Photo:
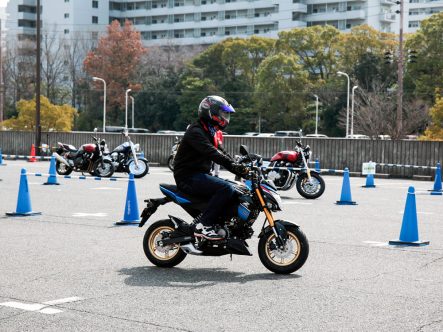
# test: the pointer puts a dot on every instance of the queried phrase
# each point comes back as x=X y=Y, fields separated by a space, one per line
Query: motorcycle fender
x=151 y=207
x=279 y=225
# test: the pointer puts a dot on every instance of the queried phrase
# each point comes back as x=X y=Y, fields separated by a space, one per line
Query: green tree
x=424 y=76
x=435 y=131
x=316 y=47
x=53 y=117
x=280 y=92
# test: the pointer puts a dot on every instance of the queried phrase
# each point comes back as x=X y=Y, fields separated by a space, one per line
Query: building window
x=94 y=3
x=66 y=0
x=66 y=31
x=66 y=15
x=94 y=35
x=94 y=19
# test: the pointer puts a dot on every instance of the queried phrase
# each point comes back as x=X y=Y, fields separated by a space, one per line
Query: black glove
x=240 y=170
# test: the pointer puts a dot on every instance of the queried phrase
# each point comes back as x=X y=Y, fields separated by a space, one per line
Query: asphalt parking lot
x=71 y=269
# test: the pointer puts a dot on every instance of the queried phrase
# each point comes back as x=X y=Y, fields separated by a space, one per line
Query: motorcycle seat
x=176 y=195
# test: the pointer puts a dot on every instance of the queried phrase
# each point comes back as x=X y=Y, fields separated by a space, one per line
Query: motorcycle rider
x=197 y=151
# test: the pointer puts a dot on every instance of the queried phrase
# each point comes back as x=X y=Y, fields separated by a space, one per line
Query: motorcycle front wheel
x=103 y=170
x=286 y=260
x=162 y=256
x=139 y=171
x=62 y=169
x=310 y=189
x=171 y=163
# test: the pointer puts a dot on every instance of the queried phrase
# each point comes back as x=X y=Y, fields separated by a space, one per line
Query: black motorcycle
x=88 y=158
x=283 y=248
x=174 y=149
x=124 y=158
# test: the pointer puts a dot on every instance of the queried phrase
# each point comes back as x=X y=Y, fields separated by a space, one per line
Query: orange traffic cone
x=32 y=159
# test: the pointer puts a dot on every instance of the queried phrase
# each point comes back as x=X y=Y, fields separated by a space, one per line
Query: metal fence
x=334 y=153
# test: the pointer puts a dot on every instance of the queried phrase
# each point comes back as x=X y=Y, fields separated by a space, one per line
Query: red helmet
x=216 y=111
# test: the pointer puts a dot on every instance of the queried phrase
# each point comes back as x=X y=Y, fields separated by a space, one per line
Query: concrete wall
x=333 y=153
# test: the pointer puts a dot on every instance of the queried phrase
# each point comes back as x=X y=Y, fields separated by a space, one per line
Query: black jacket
x=197 y=152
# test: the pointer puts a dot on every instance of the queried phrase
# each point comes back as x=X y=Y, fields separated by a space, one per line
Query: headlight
x=137 y=147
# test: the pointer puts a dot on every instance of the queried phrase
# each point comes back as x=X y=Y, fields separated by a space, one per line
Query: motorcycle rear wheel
x=62 y=169
x=139 y=171
x=310 y=190
x=103 y=172
x=171 y=163
x=288 y=260
x=160 y=255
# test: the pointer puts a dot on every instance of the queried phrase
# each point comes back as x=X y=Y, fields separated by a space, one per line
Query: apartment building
x=190 y=22
x=417 y=10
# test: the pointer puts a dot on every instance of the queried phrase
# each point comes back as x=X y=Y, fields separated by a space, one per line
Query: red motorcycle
x=289 y=168
x=88 y=158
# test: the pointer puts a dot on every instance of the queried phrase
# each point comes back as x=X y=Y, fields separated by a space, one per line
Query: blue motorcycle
x=283 y=248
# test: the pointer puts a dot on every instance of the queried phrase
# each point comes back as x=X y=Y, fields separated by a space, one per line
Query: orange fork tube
x=265 y=208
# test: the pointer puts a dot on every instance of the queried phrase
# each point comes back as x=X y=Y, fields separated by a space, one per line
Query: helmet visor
x=227 y=108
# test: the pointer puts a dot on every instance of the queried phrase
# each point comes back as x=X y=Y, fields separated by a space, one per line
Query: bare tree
x=54 y=71
x=375 y=113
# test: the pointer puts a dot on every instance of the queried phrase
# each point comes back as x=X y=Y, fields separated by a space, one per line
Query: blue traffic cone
x=131 y=216
x=24 y=199
x=52 y=178
x=409 y=227
x=346 y=198
x=1 y=159
x=437 y=190
x=317 y=165
x=369 y=181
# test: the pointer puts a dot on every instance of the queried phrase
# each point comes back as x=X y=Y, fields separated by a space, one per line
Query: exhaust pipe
x=61 y=159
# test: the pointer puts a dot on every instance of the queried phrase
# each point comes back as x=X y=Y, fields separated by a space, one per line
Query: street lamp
x=352 y=110
x=126 y=108
x=132 y=117
x=316 y=114
x=347 y=101
x=104 y=100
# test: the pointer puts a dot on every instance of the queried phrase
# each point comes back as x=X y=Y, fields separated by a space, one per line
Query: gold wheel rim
x=282 y=257
x=162 y=253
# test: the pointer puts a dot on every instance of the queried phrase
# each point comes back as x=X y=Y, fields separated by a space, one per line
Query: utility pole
x=1 y=76
x=38 y=129
x=400 y=72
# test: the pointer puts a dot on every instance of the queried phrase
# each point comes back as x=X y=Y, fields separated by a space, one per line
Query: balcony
x=336 y=16
x=387 y=17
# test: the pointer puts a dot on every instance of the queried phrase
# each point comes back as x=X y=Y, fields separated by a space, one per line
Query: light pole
x=126 y=108
x=352 y=110
x=132 y=117
x=104 y=100
x=347 y=100
x=316 y=114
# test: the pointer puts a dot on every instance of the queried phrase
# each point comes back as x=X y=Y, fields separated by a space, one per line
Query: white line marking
x=44 y=308
x=376 y=243
x=50 y=311
x=85 y=214
x=65 y=300
x=24 y=306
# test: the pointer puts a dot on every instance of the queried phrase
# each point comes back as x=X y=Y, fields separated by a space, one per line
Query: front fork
x=308 y=171
x=281 y=240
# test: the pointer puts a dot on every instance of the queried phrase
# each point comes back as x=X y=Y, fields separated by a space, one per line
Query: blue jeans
x=220 y=194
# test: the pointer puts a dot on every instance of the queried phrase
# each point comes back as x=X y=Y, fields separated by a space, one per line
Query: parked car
x=251 y=133
x=316 y=135
x=358 y=136
x=167 y=132
x=138 y=130
x=411 y=137
x=289 y=133
x=384 y=137
x=265 y=135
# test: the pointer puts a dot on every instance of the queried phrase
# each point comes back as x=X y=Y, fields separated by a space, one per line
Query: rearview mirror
x=243 y=150
x=95 y=130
